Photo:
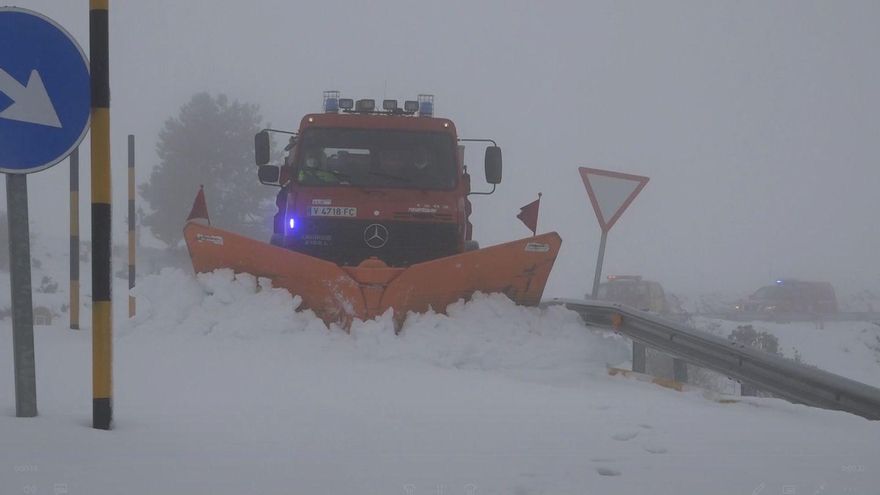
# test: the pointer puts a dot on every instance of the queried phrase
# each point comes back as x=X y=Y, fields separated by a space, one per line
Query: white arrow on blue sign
x=44 y=92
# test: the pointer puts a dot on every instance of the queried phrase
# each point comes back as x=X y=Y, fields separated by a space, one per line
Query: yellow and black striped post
x=131 y=237
x=74 y=239
x=102 y=289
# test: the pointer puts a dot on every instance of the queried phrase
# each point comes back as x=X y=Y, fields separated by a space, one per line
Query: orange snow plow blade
x=518 y=269
x=324 y=287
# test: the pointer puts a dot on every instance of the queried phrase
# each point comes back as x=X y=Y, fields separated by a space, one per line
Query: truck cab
x=361 y=183
x=632 y=290
x=790 y=296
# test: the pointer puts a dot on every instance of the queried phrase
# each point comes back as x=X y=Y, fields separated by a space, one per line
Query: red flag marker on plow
x=528 y=215
x=199 y=212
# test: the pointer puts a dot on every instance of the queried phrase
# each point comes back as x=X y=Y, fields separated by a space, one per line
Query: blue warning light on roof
x=426 y=105
x=331 y=101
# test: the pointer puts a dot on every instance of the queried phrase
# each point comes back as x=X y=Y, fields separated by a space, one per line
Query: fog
x=757 y=122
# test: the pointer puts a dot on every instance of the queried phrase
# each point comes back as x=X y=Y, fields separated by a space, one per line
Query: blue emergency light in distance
x=291 y=223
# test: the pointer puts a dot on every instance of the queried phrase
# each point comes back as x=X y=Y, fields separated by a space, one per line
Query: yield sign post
x=610 y=193
x=44 y=114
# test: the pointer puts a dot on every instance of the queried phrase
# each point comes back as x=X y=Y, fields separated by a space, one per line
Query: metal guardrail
x=785 y=378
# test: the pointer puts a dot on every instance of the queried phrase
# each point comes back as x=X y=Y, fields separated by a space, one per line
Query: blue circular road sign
x=44 y=92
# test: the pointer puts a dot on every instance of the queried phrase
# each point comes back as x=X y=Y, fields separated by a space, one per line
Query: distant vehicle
x=791 y=296
x=632 y=290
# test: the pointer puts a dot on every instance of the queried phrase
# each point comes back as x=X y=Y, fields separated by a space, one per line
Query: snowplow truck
x=373 y=214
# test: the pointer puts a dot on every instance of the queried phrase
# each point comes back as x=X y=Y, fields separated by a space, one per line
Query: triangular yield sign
x=611 y=193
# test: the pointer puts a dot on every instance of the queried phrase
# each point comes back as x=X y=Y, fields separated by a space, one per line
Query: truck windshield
x=770 y=293
x=376 y=158
x=626 y=292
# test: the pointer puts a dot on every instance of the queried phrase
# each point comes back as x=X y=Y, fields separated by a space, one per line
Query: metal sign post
x=22 y=304
x=44 y=81
x=611 y=193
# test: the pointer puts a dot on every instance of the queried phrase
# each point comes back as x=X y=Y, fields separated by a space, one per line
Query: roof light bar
x=389 y=105
x=365 y=105
x=346 y=103
x=411 y=106
x=426 y=105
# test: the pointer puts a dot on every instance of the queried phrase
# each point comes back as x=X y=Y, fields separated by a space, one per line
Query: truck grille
x=399 y=244
x=443 y=217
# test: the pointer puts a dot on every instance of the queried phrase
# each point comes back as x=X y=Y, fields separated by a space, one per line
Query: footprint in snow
x=625 y=435
x=606 y=471
x=654 y=449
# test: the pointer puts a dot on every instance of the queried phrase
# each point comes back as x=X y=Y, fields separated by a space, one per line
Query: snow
x=221 y=387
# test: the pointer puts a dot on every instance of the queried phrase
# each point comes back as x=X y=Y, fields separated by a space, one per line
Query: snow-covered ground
x=220 y=387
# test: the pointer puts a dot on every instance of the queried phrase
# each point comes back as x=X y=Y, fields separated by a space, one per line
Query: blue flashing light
x=779 y=282
x=426 y=105
x=291 y=223
x=331 y=101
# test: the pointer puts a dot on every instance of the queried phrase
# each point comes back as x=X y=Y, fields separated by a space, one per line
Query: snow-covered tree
x=209 y=143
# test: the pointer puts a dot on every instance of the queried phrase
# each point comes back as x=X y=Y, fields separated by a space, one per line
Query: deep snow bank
x=489 y=333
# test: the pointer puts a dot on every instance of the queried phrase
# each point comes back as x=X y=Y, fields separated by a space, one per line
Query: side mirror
x=269 y=175
x=261 y=148
x=493 y=165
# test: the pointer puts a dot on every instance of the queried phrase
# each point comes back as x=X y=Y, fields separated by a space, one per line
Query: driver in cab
x=314 y=170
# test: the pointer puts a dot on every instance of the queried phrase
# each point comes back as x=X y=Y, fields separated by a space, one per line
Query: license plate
x=332 y=211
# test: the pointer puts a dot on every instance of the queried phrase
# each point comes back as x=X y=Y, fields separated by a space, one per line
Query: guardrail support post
x=679 y=370
x=639 y=357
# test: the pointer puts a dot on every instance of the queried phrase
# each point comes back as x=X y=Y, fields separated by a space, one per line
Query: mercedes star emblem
x=375 y=235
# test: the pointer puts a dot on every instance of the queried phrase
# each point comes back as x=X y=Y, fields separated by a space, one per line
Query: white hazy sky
x=757 y=122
